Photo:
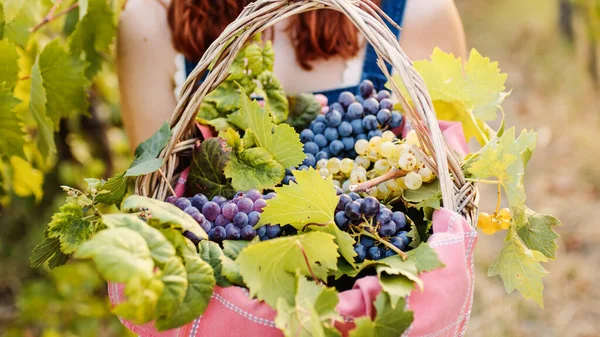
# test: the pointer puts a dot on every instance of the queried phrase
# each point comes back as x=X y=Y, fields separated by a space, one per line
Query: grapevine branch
x=53 y=15
x=375 y=236
x=392 y=174
x=312 y=273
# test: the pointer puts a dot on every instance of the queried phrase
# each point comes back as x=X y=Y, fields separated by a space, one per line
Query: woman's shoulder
x=145 y=17
x=419 y=9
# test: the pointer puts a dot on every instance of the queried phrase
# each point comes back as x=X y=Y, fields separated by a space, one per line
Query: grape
x=232 y=232
x=245 y=205
x=426 y=174
x=198 y=217
x=318 y=128
x=324 y=172
x=413 y=181
x=270 y=195
x=273 y=231
x=311 y=147
x=383 y=94
x=240 y=220
x=361 y=146
x=366 y=88
x=309 y=160
x=336 y=106
x=355 y=111
x=248 y=233
x=331 y=134
x=320 y=119
x=171 y=199
x=354 y=196
x=336 y=147
x=348 y=143
x=388 y=136
x=370 y=122
x=191 y=210
x=306 y=135
x=375 y=253
x=229 y=210
x=253 y=218
x=322 y=155
x=262 y=231
x=334 y=165
x=199 y=200
x=381 y=166
x=411 y=138
x=192 y=237
x=388 y=253
x=366 y=241
x=211 y=210
x=361 y=252
x=333 y=118
x=384 y=116
x=396 y=119
x=369 y=206
x=221 y=221
x=387 y=149
x=346 y=98
x=400 y=220
x=387 y=229
x=259 y=204
x=357 y=177
x=346 y=165
x=320 y=140
x=374 y=133
x=341 y=220
x=253 y=195
x=407 y=162
x=371 y=106
x=384 y=216
x=362 y=161
x=217 y=234
x=361 y=136
x=360 y=99
x=183 y=203
x=344 y=200
x=386 y=103
x=219 y=200
x=352 y=210
x=357 y=126
x=288 y=179
x=322 y=163
x=345 y=129
x=206 y=225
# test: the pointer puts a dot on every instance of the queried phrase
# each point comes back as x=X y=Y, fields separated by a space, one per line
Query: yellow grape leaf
x=520 y=269
x=311 y=199
x=26 y=179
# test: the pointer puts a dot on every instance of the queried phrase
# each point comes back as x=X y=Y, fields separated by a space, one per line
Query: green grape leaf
x=304 y=108
x=18 y=28
x=44 y=251
x=175 y=280
x=425 y=257
x=207 y=112
x=253 y=169
x=26 y=180
x=232 y=248
x=396 y=286
x=269 y=267
x=280 y=140
x=212 y=254
x=268 y=56
x=142 y=298
x=70 y=227
x=313 y=313
x=163 y=214
x=506 y=158
x=145 y=157
x=120 y=254
x=226 y=98
x=112 y=191
x=9 y=68
x=343 y=240
x=428 y=195
x=200 y=281
x=275 y=99
x=2 y=21
x=391 y=319
x=37 y=106
x=393 y=274
x=64 y=82
x=311 y=199
x=58 y=260
x=13 y=137
x=231 y=271
x=93 y=34
x=414 y=235
x=206 y=172
x=520 y=269
x=537 y=234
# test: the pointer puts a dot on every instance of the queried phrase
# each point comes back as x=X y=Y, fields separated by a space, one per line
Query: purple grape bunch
x=349 y=119
x=373 y=216
x=225 y=219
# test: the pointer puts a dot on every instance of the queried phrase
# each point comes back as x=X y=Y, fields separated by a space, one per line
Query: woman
x=319 y=51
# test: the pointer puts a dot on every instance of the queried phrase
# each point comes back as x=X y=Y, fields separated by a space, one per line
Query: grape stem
x=484 y=181
x=376 y=236
x=312 y=273
x=499 y=198
x=367 y=185
x=53 y=15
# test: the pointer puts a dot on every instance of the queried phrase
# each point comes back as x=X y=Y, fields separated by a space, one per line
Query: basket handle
x=367 y=17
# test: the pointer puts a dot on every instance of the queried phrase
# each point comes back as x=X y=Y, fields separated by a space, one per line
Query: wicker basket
x=457 y=194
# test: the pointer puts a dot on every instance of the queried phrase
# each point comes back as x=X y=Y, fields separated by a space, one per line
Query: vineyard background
x=555 y=90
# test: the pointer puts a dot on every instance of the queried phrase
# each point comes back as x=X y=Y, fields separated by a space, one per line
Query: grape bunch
x=499 y=220
x=375 y=227
x=351 y=118
x=233 y=219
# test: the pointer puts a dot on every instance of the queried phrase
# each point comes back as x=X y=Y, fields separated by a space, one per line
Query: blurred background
x=551 y=51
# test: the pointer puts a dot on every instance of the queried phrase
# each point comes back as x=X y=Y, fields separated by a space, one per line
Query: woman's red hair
x=316 y=35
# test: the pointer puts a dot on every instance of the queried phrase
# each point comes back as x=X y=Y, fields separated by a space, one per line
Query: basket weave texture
x=457 y=193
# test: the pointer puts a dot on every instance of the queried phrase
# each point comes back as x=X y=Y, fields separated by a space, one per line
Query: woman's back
x=147 y=58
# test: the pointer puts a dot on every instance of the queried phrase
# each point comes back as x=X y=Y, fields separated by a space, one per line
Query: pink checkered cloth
x=442 y=309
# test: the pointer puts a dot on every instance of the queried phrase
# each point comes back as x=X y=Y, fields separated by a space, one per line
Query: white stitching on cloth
x=248 y=315
x=195 y=326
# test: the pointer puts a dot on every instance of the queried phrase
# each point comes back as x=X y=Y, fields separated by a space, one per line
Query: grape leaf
x=64 y=82
x=391 y=319
x=425 y=257
x=275 y=99
x=37 y=106
x=232 y=248
x=343 y=240
x=428 y=195
x=120 y=254
x=142 y=297
x=17 y=28
x=304 y=108
x=58 y=260
x=9 y=68
x=112 y=191
x=226 y=98
x=396 y=286
x=206 y=172
x=506 y=158
x=93 y=34
x=269 y=267
x=44 y=251
x=311 y=199
x=13 y=137
x=313 y=313
x=70 y=227
x=253 y=168
x=2 y=21
x=537 y=234
x=394 y=265
x=211 y=253
x=164 y=214
x=145 y=157
x=231 y=271
x=175 y=280
x=200 y=288
x=520 y=269
x=280 y=140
